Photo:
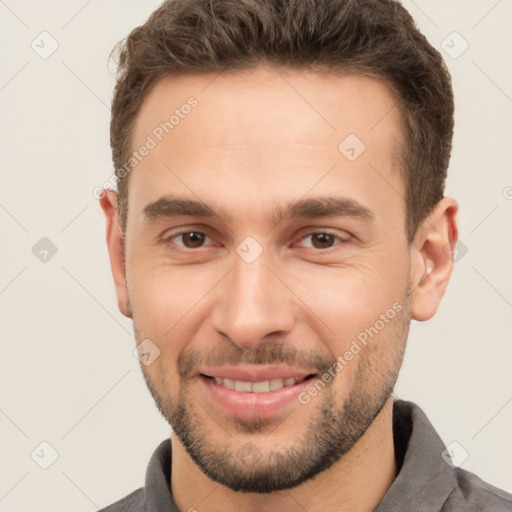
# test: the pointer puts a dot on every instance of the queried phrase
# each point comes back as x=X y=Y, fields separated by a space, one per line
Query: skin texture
x=256 y=141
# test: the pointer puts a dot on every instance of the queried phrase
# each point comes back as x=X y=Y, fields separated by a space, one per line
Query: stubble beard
x=332 y=432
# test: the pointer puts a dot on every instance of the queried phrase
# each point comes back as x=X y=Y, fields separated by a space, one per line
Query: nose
x=253 y=304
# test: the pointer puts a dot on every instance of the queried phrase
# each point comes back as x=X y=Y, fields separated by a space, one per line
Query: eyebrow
x=167 y=207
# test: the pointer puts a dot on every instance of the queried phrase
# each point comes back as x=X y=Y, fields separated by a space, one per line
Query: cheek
x=362 y=307
x=164 y=294
x=349 y=299
x=167 y=306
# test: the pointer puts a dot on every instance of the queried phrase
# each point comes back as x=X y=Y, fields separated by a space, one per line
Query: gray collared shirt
x=426 y=482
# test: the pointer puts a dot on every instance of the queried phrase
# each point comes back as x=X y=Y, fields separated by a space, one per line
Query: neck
x=358 y=481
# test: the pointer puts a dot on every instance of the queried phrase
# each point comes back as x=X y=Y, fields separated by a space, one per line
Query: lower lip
x=254 y=405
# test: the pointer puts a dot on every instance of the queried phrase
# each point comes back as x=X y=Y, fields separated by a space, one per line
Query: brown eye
x=192 y=239
x=322 y=240
x=188 y=240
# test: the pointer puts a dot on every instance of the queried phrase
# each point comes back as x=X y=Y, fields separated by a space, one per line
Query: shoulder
x=475 y=495
x=134 y=502
x=156 y=486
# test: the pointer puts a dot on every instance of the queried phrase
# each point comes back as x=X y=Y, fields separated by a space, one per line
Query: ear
x=432 y=258
x=108 y=203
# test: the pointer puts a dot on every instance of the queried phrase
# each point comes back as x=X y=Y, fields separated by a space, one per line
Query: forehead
x=260 y=100
x=262 y=129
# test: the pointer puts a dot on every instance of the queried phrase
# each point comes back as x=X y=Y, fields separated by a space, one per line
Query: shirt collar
x=424 y=480
x=157 y=489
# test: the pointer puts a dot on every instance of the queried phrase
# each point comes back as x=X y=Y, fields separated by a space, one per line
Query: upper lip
x=255 y=373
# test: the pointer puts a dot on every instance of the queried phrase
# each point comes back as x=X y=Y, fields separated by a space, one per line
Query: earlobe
x=114 y=238
x=432 y=259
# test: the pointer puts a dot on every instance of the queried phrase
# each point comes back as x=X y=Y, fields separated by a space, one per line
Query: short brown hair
x=376 y=38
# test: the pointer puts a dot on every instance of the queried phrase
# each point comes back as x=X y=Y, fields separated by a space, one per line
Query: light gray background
x=67 y=372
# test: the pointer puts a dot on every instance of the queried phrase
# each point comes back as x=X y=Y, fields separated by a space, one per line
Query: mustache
x=275 y=354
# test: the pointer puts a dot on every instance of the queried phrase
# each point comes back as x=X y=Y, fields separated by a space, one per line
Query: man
x=279 y=220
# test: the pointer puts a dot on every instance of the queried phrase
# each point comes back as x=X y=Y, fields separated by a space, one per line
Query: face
x=266 y=251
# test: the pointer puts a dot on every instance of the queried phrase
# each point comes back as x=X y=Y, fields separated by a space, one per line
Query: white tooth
x=229 y=383
x=241 y=385
x=261 y=387
x=276 y=384
x=256 y=387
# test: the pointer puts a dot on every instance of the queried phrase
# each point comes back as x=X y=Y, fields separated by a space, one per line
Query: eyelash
x=169 y=240
x=329 y=233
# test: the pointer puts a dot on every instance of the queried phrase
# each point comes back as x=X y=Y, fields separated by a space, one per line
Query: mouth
x=262 y=386
x=251 y=394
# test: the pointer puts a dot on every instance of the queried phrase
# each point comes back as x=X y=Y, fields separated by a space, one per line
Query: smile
x=263 y=386
x=253 y=393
